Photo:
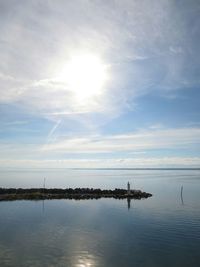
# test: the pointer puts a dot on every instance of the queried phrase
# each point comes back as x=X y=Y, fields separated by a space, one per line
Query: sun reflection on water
x=85 y=260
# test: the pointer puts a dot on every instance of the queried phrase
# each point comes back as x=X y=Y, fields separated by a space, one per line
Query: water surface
x=160 y=231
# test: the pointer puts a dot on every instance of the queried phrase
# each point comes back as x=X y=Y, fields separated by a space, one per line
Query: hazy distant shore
x=68 y=193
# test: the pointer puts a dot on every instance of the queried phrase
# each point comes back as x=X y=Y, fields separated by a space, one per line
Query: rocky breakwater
x=7 y=194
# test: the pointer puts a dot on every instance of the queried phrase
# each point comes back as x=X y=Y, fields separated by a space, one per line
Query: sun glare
x=84 y=75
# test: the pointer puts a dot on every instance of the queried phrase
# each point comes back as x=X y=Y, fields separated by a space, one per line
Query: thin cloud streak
x=134 y=143
x=146 y=140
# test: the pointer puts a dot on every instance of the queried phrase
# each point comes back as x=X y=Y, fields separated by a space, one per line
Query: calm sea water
x=160 y=231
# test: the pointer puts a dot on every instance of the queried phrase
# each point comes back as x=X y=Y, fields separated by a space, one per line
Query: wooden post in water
x=182 y=195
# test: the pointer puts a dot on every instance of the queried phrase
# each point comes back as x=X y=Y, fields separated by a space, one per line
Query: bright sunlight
x=85 y=75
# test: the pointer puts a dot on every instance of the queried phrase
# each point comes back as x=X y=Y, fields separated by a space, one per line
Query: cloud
x=16 y=123
x=142 y=140
x=148 y=46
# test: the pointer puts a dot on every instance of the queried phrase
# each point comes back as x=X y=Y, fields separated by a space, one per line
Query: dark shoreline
x=9 y=194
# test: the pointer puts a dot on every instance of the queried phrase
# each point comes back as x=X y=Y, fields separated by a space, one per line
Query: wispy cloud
x=146 y=44
x=142 y=140
x=128 y=144
x=16 y=123
x=149 y=48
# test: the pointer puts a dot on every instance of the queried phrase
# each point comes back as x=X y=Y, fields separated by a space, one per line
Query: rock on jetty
x=68 y=193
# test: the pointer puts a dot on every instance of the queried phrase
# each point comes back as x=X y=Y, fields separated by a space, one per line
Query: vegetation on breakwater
x=68 y=193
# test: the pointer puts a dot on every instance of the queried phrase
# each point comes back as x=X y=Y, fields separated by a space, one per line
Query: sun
x=84 y=75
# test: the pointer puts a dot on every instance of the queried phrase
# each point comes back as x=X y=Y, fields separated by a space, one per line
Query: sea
x=161 y=231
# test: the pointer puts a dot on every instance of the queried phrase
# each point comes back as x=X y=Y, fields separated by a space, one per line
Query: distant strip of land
x=7 y=194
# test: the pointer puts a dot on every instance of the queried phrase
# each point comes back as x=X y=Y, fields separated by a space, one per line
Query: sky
x=91 y=84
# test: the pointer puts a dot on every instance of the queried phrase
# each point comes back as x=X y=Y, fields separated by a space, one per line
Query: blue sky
x=99 y=83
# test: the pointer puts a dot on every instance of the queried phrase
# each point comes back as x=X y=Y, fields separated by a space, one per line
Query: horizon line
x=103 y=168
